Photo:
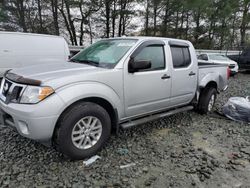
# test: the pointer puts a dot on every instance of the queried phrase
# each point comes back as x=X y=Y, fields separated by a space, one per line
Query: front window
x=104 y=53
x=154 y=54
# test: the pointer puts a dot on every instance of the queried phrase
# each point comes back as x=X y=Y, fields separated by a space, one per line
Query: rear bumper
x=36 y=122
x=233 y=72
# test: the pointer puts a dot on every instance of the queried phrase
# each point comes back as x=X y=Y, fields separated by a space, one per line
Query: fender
x=208 y=78
x=78 y=91
x=215 y=77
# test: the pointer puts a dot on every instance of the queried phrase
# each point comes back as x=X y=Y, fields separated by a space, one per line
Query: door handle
x=165 y=76
x=191 y=73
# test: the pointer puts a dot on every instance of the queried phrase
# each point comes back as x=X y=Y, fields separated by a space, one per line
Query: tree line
x=214 y=24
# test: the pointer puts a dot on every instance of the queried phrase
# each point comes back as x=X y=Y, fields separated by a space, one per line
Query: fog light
x=23 y=127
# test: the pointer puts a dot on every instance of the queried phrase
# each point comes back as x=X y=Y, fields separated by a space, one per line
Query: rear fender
x=220 y=78
x=210 y=77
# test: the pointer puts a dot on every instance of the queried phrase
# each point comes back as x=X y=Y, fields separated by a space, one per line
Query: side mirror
x=134 y=66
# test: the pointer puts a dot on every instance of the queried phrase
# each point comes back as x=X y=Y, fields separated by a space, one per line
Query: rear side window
x=181 y=56
x=152 y=53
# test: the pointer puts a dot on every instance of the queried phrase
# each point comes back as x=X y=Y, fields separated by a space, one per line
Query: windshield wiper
x=73 y=60
x=89 y=62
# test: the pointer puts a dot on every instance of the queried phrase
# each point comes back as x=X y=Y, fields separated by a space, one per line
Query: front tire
x=207 y=100
x=82 y=130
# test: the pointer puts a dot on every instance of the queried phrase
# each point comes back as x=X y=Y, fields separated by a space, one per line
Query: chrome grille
x=10 y=91
x=6 y=87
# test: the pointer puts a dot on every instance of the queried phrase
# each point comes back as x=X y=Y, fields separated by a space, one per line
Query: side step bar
x=152 y=117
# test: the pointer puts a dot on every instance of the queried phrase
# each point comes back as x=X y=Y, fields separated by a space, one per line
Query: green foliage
x=3 y=16
x=214 y=24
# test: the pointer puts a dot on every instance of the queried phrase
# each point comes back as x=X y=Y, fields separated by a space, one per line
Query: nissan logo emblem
x=6 y=87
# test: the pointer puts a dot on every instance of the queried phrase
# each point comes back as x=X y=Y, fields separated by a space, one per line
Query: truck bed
x=214 y=72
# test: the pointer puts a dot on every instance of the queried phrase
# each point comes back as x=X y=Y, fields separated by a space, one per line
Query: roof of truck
x=147 y=37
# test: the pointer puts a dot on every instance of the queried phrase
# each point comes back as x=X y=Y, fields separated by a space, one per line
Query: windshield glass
x=218 y=57
x=104 y=53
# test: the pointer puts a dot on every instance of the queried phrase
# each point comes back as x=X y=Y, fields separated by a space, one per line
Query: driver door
x=147 y=90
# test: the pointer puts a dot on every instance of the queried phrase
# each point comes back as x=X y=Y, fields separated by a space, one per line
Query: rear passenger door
x=184 y=73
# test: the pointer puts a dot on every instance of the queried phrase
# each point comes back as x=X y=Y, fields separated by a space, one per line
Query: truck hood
x=48 y=72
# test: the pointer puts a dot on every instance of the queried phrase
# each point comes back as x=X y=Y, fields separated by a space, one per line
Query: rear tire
x=82 y=130
x=207 y=100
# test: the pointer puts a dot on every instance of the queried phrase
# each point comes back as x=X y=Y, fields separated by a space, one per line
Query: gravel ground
x=185 y=150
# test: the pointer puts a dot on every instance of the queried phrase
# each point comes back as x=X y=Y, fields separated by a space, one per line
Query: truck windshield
x=104 y=53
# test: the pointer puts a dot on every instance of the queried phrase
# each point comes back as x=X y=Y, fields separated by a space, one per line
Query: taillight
x=228 y=73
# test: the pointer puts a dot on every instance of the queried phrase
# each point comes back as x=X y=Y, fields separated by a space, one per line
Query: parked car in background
x=25 y=49
x=219 y=59
x=114 y=83
x=243 y=59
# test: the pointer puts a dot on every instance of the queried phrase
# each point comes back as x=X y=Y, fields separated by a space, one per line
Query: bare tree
x=54 y=9
x=245 y=21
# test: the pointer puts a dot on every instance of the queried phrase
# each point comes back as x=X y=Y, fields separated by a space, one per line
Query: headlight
x=35 y=94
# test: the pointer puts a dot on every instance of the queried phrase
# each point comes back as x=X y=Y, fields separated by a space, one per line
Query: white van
x=25 y=49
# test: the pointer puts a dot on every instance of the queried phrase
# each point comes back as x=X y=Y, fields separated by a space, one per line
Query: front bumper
x=37 y=121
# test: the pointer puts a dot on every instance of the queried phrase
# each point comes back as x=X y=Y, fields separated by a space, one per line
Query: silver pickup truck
x=115 y=83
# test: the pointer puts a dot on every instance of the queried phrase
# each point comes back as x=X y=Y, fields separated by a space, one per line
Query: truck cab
x=171 y=84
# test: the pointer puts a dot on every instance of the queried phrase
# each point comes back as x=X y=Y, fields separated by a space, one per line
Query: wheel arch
x=211 y=84
x=203 y=93
x=113 y=114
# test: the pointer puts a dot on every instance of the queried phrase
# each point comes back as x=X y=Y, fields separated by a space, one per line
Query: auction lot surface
x=185 y=150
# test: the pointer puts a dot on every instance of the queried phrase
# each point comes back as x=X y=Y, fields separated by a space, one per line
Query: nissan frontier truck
x=114 y=83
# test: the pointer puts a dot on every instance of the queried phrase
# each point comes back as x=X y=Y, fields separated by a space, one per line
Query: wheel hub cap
x=86 y=132
x=211 y=103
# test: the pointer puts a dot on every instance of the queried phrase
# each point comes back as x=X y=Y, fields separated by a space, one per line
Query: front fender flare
x=78 y=91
